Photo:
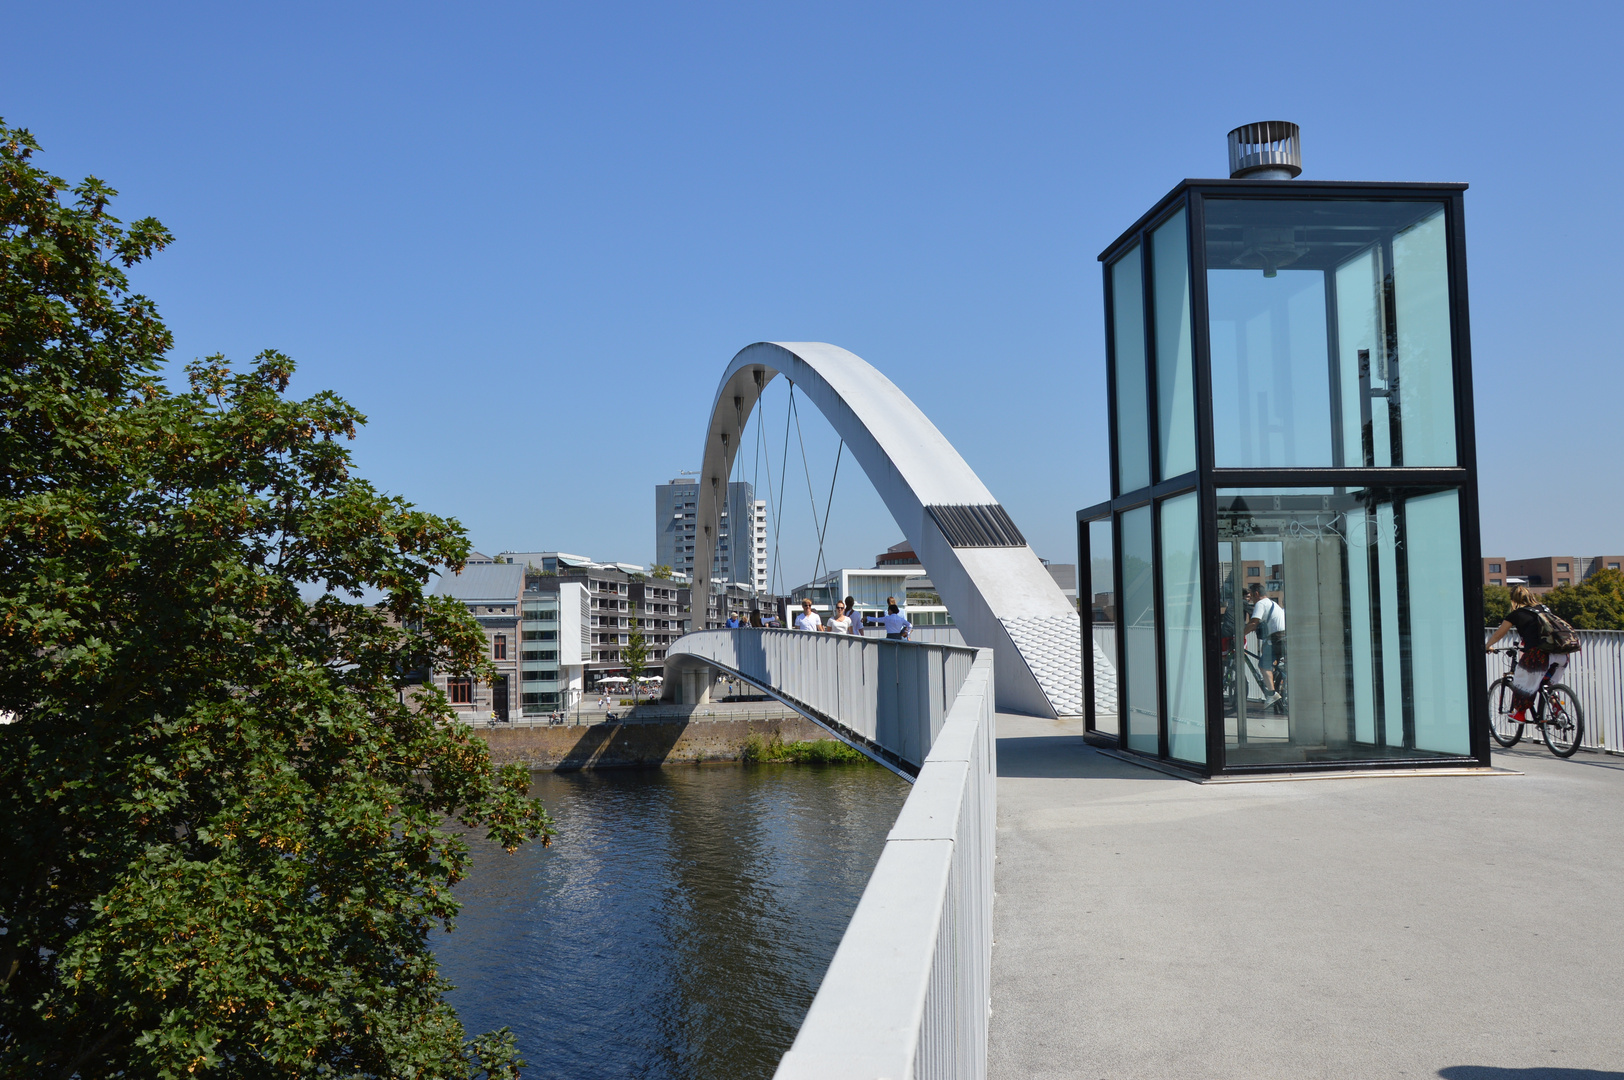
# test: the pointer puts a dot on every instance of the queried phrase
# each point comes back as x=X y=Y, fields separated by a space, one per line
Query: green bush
x=758 y=748
x=1496 y=604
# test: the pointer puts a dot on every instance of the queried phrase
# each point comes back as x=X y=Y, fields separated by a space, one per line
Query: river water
x=680 y=923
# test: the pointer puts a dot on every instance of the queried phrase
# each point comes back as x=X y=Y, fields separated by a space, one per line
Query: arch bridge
x=999 y=593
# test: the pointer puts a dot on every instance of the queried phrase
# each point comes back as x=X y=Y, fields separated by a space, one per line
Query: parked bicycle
x=1555 y=710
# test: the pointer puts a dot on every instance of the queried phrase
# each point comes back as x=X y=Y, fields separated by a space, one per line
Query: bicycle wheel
x=1564 y=726
x=1506 y=731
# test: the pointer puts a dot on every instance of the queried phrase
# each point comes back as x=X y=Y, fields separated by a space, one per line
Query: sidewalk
x=1146 y=927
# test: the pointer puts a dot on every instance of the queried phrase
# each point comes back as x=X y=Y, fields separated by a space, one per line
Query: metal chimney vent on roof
x=1270 y=150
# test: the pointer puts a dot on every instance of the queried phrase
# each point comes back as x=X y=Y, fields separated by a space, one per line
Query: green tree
x=635 y=655
x=662 y=571
x=223 y=815
x=1496 y=604
x=1596 y=603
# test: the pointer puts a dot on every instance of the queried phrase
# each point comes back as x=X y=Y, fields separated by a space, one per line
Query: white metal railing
x=908 y=990
x=907 y=993
x=889 y=697
x=1596 y=674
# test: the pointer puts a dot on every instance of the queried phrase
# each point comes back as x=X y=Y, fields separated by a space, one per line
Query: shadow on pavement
x=1061 y=756
x=1489 y=1072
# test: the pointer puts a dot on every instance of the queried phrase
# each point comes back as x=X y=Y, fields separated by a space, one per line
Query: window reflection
x=1100 y=571
x=1329 y=331
x=1128 y=339
x=1137 y=685
x=1343 y=632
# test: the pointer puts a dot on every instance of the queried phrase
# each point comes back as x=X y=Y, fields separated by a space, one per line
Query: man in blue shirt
x=897 y=628
x=733 y=621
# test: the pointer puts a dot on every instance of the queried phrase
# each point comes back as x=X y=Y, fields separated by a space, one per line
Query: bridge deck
x=1459 y=927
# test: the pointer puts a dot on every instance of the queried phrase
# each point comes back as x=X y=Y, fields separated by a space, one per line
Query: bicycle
x=1232 y=681
x=1555 y=709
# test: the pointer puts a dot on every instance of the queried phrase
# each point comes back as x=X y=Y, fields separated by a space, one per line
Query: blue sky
x=525 y=239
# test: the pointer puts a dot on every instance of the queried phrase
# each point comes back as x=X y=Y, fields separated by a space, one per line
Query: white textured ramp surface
x=1052 y=646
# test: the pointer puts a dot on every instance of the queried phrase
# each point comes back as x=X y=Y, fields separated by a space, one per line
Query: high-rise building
x=740 y=555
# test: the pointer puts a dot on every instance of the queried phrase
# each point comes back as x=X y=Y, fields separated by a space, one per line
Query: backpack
x=1555 y=635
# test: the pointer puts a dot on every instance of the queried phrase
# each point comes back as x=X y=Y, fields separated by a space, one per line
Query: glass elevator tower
x=1289 y=560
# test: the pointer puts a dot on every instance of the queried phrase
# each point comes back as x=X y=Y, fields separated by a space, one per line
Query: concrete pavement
x=1468 y=927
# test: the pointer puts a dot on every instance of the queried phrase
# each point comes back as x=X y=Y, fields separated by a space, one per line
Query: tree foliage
x=223 y=815
x=1596 y=603
x=634 y=654
x=1496 y=604
x=662 y=571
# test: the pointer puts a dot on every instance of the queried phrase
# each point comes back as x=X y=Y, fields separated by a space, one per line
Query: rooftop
x=479 y=582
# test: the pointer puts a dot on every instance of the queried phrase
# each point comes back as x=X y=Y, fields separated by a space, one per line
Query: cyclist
x=1268 y=621
x=1537 y=662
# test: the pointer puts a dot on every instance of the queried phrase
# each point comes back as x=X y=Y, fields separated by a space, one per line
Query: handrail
x=886 y=698
x=907 y=992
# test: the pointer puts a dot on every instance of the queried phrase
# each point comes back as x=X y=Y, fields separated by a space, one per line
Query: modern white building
x=870 y=588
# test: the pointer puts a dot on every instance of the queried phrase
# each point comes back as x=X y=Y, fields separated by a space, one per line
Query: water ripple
x=680 y=924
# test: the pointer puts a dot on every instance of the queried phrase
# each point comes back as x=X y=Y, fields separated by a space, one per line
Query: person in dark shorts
x=1269 y=622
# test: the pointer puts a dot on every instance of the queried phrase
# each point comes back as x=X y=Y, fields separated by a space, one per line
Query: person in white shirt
x=808 y=619
x=851 y=613
x=897 y=628
x=1269 y=622
x=841 y=623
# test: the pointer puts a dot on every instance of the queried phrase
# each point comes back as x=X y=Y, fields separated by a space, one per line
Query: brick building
x=1548 y=571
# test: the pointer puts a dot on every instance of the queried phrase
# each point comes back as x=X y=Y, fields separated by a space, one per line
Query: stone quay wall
x=636 y=740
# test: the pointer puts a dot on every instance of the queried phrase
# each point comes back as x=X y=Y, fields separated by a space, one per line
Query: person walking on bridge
x=897 y=627
x=840 y=623
x=808 y=619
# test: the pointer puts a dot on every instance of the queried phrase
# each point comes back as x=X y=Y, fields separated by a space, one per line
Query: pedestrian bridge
x=907 y=992
x=996 y=588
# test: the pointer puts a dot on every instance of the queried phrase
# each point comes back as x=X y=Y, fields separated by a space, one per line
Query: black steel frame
x=1191 y=196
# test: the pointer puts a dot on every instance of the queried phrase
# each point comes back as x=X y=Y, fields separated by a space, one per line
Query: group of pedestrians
x=846 y=620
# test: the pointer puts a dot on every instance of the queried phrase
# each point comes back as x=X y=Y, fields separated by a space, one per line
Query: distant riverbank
x=660 y=735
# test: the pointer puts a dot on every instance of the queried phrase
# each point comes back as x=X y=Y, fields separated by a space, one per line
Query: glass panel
x=1132 y=410
x=1342 y=625
x=1138 y=624
x=1175 y=374
x=1181 y=629
x=1329 y=326
x=1437 y=623
x=1102 y=565
x=1270 y=396
x=1421 y=307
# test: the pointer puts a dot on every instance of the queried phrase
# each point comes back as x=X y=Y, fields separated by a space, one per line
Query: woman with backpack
x=1547 y=641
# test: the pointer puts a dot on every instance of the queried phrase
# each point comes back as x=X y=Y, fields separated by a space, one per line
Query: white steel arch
x=999 y=593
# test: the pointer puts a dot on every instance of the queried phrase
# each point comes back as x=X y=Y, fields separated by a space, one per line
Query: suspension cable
x=783 y=473
x=811 y=497
x=827 y=511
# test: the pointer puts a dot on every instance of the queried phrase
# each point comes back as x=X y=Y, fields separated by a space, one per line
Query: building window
x=1494 y=568
x=461 y=691
x=1612 y=566
x=499 y=647
x=1562 y=567
x=1254 y=571
x=1562 y=581
x=1494 y=581
x=541 y=635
